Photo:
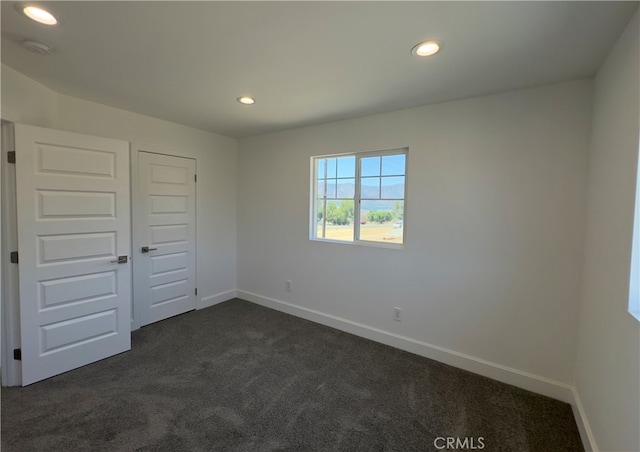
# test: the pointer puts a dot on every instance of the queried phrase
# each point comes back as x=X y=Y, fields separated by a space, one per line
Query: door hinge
x=196 y=291
x=17 y=354
x=11 y=156
x=14 y=257
x=195 y=178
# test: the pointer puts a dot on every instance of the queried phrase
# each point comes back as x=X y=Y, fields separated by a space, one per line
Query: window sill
x=389 y=246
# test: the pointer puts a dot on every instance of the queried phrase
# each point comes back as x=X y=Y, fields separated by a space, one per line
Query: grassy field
x=384 y=233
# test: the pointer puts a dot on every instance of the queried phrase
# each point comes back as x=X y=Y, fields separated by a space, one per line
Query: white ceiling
x=305 y=62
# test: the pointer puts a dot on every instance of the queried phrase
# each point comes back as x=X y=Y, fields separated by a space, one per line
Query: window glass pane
x=347 y=167
x=331 y=167
x=346 y=188
x=382 y=233
x=322 y=168
x=392 y=188
x=331 y=232
x=370 y=188
x=370 y=166
x=375 y=204
x=328 y=224
x=378 y=223
x=393 y=165
x=336 y=222
x=331 y=188
x=320 y=191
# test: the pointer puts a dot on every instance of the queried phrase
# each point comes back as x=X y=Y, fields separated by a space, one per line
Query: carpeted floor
x=240 y=377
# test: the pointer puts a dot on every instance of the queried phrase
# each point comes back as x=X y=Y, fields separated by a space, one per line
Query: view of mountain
x=390 y=193
x=345 y=190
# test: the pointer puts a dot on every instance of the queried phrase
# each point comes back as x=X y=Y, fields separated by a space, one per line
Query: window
x=359 y=197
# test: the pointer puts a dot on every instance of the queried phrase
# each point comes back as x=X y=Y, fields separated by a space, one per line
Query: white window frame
x=356 y=198
x=634 y=278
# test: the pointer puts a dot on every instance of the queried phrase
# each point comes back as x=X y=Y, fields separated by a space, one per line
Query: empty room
x=349 y=226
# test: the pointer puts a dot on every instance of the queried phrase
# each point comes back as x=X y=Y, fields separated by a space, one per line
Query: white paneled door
x=165 y=223
x=74 y=249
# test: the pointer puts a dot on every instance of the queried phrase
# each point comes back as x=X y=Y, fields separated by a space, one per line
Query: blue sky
x=345 y=167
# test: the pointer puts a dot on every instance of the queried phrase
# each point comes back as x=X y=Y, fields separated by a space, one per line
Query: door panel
x=69 y=290
x=73 y=222
x=165 y=221
x=76 y=247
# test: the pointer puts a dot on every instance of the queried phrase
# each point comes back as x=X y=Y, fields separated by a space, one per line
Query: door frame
x=136 y=149
x=9 y=281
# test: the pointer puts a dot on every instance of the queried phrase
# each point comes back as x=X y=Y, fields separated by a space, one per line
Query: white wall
x=25 y=101
x=494 y=234
x=608 y=364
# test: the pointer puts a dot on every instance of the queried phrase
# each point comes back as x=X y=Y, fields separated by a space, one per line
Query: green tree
x=340 y=214
x=332 y=210
x=346 y=210
x=398 y=210
x=380 y=216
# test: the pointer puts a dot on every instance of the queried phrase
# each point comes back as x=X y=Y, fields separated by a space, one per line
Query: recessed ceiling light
x=426 y=48
x=246 y=100
x=39 y=15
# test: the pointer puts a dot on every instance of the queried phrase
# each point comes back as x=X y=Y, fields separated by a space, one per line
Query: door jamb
x=9 y=282
x=136 y=148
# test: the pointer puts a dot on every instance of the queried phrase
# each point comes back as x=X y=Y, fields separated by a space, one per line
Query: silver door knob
x=121 y=260
x=146 y=249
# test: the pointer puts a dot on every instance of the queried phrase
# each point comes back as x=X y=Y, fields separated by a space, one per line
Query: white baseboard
x=215 y=299
x=588 y=440
x=531 y=382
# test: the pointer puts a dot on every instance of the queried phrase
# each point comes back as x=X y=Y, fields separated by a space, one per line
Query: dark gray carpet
x=240 y=377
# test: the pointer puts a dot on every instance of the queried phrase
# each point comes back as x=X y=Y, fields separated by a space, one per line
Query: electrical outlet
x=397 y=314
x=288 y=285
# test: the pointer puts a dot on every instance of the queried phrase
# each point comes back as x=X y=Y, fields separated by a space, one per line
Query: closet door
x=165 y=225
x=74 y=249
